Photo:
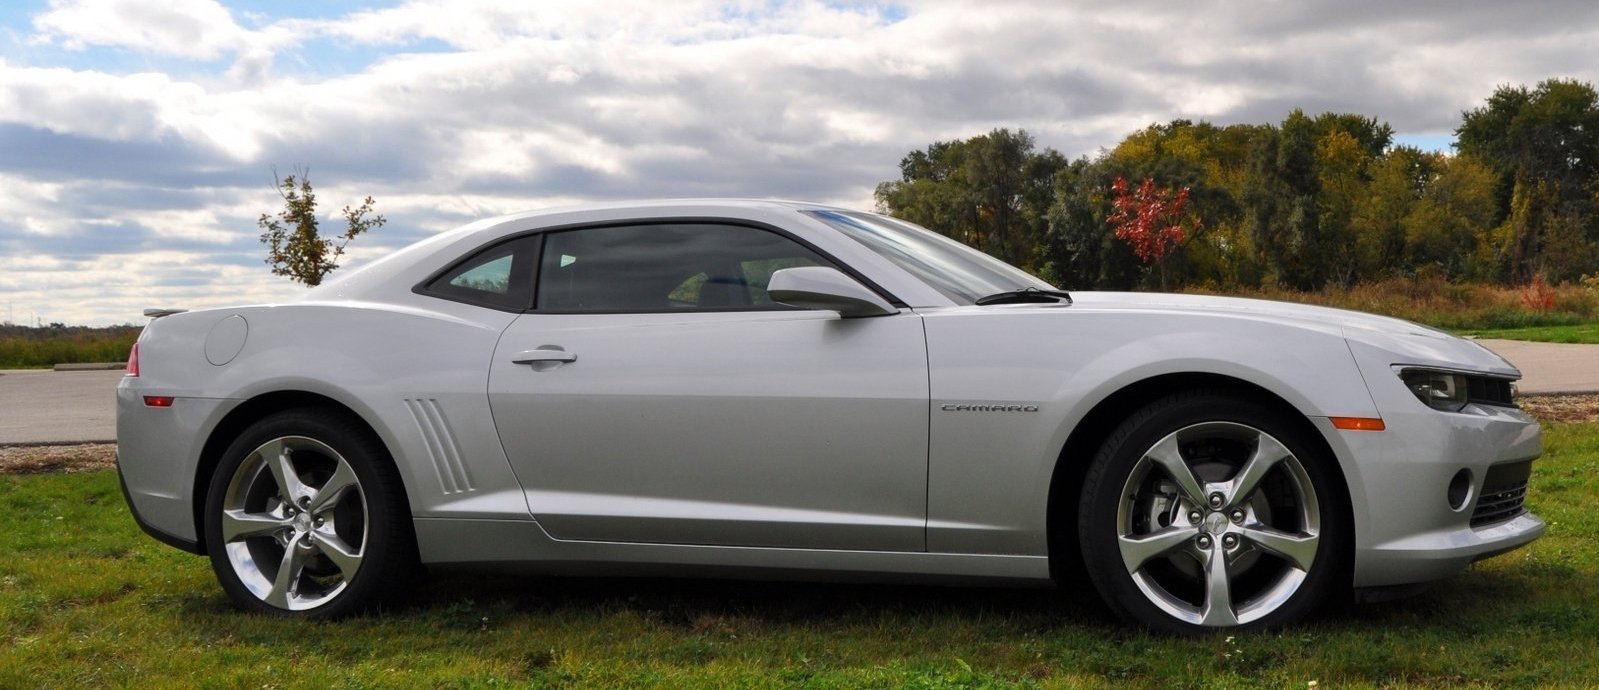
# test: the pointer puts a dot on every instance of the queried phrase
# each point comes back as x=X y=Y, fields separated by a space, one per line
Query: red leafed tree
x=1150 y=220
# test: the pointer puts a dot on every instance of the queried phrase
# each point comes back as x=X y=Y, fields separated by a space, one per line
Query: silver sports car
x=776 y=388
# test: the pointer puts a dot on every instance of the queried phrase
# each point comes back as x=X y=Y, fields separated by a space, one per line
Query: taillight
x=133 y=360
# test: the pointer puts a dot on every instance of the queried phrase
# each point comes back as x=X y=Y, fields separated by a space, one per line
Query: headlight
x=1440 y=390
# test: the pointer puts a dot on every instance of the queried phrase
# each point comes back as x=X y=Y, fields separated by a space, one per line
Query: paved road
x=1551 y=368
x=41 y=406
x=80 y=406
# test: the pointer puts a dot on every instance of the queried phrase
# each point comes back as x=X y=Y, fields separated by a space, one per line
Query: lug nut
x=319 y=522
x=1204 y=541
x=1216 y=500
x=1195 y=517
x=1238 y=517
x=1229 y=540
x=305 y=501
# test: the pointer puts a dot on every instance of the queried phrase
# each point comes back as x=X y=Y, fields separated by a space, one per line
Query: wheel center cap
x=1215 y=523
x=302 y=522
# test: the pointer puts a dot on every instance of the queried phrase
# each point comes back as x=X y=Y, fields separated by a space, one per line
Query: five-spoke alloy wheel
x=1209 y=511
x=304 y=517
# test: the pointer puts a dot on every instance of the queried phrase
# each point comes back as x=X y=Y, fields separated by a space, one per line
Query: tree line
x=1308 y=203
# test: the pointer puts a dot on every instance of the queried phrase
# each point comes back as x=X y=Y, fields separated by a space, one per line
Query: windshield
x=953 y=269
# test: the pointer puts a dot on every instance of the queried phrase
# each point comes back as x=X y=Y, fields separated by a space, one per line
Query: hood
x=1308 y=314
x=1396 y=340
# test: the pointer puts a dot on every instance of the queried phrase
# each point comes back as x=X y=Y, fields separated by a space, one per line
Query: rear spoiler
x=158 y=313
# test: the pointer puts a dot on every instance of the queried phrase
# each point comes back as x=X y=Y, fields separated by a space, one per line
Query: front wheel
x=1211 y=511
x=305 y=516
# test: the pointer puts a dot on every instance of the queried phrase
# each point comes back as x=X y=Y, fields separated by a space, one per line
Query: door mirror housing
x=824 y=287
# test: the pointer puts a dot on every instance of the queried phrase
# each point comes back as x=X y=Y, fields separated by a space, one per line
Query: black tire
x=1268 y=546
x=348 y=525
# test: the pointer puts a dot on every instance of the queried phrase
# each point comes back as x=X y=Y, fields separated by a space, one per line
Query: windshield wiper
x=1026 y=295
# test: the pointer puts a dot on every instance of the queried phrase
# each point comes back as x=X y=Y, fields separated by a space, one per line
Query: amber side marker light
x=158 y=400
x=1358 y=423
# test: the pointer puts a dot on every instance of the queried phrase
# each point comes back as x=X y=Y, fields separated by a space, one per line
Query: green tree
x=1544 y=145
x=295 y=247
x=1341 y=164
x=1453 y=215
x=1397 y=181
x=1079 y=249
x=991 y=191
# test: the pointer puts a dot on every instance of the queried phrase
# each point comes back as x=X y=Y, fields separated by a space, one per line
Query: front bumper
x=1409 y=528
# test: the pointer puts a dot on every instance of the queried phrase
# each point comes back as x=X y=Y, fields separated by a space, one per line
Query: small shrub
x=1538 y=296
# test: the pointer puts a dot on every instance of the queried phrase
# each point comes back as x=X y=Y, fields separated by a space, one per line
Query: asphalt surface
x=38 y=406
x=1551 y=368
x=42 y=406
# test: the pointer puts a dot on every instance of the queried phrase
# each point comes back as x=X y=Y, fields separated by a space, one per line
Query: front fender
x=1065 y=362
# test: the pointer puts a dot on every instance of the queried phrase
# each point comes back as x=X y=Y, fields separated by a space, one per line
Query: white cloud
x=198 y=29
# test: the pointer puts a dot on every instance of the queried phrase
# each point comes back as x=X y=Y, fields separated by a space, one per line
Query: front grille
x=1489 y=391
x=1504 y=491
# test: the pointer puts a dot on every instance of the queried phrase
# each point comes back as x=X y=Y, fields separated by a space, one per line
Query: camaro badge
x=965 y=407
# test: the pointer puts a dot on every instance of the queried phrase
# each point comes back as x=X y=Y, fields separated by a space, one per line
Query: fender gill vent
x=442 y=449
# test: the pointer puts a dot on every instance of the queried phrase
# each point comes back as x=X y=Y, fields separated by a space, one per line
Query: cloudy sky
x=138 y=138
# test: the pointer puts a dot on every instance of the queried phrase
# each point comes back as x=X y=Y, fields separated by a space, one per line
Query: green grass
x=1577 y=333
x=86 y=600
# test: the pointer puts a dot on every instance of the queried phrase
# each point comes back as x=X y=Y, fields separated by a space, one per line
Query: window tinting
x=669 y=267
x=493 y=276
x=955 y=270
x=500 y=277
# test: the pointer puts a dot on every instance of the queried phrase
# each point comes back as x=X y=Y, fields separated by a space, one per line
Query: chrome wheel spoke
x=347 y=559
x=326 y=497
x=286 y=585
x=1298 y=549
x=1218 y=609
x=1268 y=452
x=276 y=456
x=1139 y=550
x=237 y=525
x=1169 y=457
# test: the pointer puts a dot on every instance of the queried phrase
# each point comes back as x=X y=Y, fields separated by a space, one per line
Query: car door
x=656 y=394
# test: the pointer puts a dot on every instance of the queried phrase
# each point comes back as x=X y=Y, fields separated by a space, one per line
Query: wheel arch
x=237 y=420
x=1091 y=432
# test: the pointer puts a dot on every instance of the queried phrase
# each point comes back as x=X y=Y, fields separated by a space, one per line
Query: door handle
x=543 y=354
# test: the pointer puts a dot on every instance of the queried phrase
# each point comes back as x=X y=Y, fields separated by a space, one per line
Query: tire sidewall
x=1101 y=501
x=382 y=557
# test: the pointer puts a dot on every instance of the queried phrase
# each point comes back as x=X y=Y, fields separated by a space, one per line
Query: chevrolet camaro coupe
x=774 y=389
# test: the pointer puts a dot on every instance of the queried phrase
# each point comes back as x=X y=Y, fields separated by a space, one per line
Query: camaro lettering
x=963 y=407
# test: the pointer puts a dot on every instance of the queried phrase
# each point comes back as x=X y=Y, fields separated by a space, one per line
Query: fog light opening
x=1460 y=490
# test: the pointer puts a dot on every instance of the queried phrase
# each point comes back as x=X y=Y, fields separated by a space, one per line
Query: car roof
x=640 y=204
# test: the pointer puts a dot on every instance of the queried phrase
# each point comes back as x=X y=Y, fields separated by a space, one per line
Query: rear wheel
x=305 y=516
x=1211 y=511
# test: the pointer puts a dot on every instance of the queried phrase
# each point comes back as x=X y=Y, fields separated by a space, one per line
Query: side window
x=499 y=277
x=668 y=267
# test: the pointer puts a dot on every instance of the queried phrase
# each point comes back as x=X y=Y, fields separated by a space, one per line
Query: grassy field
x=22 y=347
x=1460 y=307
x=1587 y=333
x=86 y=600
